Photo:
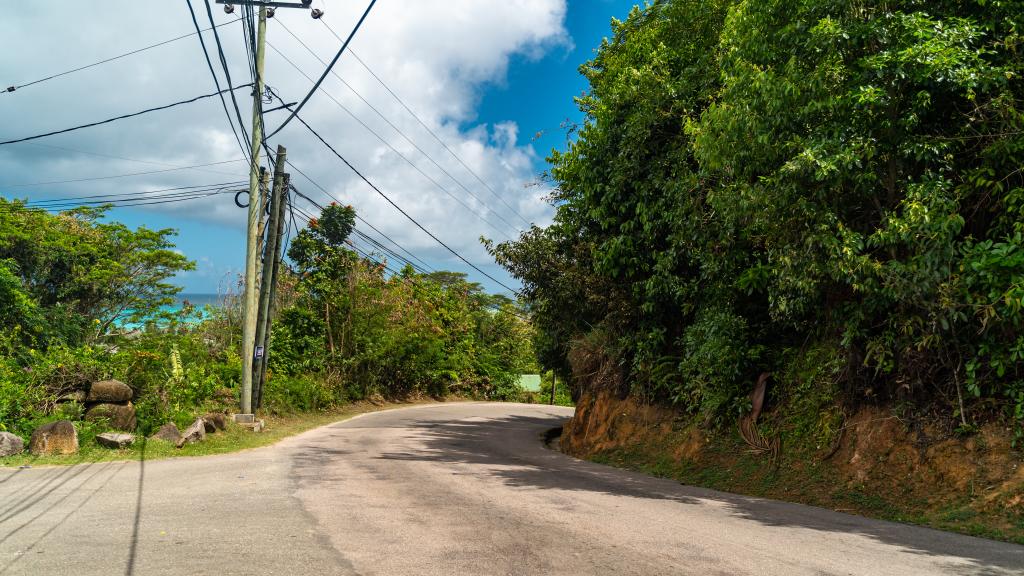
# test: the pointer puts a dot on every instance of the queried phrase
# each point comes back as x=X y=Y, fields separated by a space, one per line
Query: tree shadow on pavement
x=511 y=449
x=44 y=494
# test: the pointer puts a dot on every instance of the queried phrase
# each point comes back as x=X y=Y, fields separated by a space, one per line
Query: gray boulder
x=194 y=433
x=115 y=439
x=11 y=444
x=119 y=417
x=109 y=391
x=214 y=422
x=168 y=433
x=58 y=437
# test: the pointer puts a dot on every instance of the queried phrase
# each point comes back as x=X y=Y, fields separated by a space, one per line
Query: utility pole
x=554 y=383
x=271 y=254
x=255 y=210
x=250 y=303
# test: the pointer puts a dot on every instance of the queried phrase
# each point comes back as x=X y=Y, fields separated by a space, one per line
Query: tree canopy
x=754 y=176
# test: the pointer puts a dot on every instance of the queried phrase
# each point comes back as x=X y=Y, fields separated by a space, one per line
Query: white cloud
x=437 y=55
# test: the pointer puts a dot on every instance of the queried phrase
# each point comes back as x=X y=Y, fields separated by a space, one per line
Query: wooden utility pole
x=554 y=384
x=252 y=246
x=271 y=253
x=250 y=301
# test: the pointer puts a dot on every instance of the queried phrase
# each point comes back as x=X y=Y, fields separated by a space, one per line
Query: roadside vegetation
x=83 y=300
x=778 y=215
x=232 y=439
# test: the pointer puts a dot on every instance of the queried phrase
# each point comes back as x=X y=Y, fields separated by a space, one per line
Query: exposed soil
x=876 y=466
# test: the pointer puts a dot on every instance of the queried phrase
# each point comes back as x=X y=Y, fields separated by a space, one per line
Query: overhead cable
x=399 y=131
x=316 y=85
x=114 y=176
x=368 y=256
x=87 y=66
x=125 y=158
x=358 y=216
x=399 y=208
x=123 y=116
x=216 y=81
x=227 y=76
x=405 y=158
x=120 y=201
x=428 y=128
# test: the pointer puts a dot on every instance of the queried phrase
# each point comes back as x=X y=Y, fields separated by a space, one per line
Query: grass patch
x=234 y=439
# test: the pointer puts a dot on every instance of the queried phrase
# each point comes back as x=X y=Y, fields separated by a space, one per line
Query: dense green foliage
x=433 y=333
x=755 y=176
x=70 y=278
x=74 y=287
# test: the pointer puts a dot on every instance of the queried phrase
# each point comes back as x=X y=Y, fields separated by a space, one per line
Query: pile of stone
x=111 y=400
x=196 y=432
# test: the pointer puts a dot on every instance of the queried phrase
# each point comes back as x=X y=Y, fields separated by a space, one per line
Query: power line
x=395 y=150
x=227 y=76
x=358 y=217
x=180 y=197
x=367 y=255
x=427 y=127
x=369 y=238
x=126 y=159
x=403 y=212
x=387 y=250
x=316 y=85
x=399 y=130
x=87 y=66
x=110 y=177
x=216 y=81
x=161 y=190
x=120 y=200
x=122 y=117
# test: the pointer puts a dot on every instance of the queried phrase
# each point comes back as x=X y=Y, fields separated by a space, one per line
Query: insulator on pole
x=229 y=9
x=317 y=13
x=270 y=12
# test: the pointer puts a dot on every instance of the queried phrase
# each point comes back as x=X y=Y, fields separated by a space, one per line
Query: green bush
x=287 y=394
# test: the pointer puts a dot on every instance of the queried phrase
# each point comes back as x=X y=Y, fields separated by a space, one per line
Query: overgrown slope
x=812 y=209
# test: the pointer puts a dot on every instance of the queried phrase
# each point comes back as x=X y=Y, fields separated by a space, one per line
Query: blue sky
x=485 y=77
x=538 y=94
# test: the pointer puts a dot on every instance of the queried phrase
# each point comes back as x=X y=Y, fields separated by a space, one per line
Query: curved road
x=451 y=489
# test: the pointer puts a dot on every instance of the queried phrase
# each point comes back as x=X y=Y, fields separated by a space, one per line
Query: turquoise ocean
x=199 y=302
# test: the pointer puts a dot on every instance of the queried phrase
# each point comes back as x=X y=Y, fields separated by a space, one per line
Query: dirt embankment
x=877 y=464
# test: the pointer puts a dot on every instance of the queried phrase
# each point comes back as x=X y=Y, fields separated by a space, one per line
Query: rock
x=194 y=433
x=168 y=432
x=255 y=426
x=119 y=417
x=115 y=439
x=109 y=391
x=214 y=422
x=76 y=396
x=58 y=437
x=11 y=444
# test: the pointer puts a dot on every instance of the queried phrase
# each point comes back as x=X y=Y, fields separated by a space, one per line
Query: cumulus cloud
x=437 y=55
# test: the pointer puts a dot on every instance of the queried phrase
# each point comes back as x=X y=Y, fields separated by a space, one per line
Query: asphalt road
x=453 y=489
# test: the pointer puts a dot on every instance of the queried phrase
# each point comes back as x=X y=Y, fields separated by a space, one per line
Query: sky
x=489 y=81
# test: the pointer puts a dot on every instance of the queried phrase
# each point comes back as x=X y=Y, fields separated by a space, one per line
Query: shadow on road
x=134 y=546
x=511 y=449
x=45 y=493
